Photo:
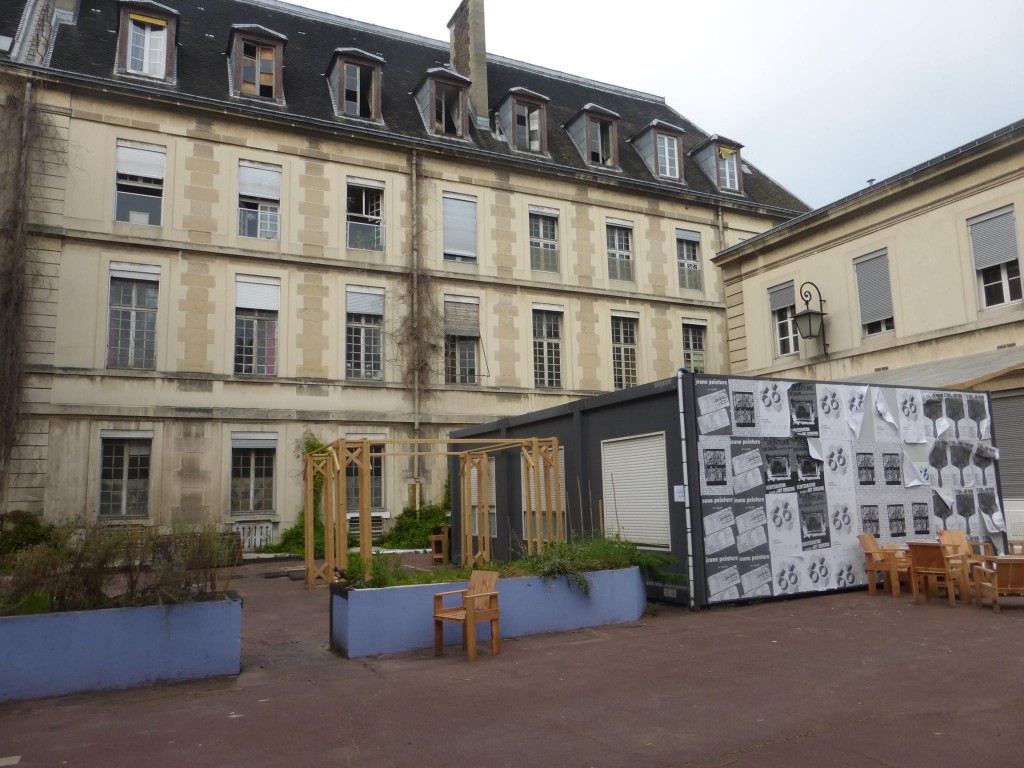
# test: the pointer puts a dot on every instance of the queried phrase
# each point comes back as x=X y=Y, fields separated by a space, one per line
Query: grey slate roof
x=949 y=373
x=88 y=48
x=10 y=16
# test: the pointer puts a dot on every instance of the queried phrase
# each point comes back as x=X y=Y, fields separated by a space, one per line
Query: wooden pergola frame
x=331 y=463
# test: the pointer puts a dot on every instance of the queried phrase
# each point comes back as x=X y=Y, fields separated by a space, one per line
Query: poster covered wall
x=791 y=472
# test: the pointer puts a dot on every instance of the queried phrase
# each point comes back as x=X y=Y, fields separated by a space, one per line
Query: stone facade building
x=251 y=221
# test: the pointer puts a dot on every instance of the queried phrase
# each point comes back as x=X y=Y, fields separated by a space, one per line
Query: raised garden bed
x=367 y=622
x=50 y=654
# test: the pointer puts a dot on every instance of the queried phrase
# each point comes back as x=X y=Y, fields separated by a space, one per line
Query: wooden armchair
x=891 y=563
x=933 y=566
x=999 y=576
x=479 y=603
x=972 y=559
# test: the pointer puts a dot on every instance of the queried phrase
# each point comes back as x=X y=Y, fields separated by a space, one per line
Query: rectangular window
x=124 y=477
x=252 y=473
x=996 y=256
x=364 y=328
x=259 y=70
x=782 y=300
x=600 y=145
x=688 y=258
x=693 y=347
x=668 y=156
x=624 y=352
x=140 y=183
x=620 y=253
x=528 y=136
x=365 y=216
x=147 y=46
x=376 y=482
x=259 y=199
x=447 y=109
x=728 y=177
x=257 y=302
x=547 y=349
x=131 y=329
x=543 y=242
x=459 y=228
x=357 y=93
x=874 y=292
x=461 y=339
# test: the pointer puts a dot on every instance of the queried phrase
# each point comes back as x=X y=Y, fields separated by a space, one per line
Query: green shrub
x=82 y=567
x=22 y=530
x=412 y=530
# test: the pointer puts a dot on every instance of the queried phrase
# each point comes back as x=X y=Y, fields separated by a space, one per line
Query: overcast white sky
x=824 y=95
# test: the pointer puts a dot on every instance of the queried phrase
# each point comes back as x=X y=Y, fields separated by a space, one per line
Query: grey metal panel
x=252 y=295
x=873 y=287
x=686 y=234
x=364 y=303
x=994 y=240
x=139 y=161
x=947 y=373
x=459 y=227
x=259 y=181
x=1008 y=416
x=505 y=121
x=461 y=319
x=782 y=296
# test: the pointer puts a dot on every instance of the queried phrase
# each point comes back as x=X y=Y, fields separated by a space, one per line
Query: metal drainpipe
x=721 y=228
x=414 y=178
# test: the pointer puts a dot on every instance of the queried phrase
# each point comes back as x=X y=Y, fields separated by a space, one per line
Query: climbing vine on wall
x=21 y=127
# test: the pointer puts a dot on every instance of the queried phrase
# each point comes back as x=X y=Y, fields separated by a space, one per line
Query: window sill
x=254 y=517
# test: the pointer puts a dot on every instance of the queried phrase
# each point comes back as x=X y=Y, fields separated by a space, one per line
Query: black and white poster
x=792 y=472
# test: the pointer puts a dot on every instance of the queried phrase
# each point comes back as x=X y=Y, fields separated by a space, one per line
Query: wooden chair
x=999 y=576
x=933 y=566
x=958 y=539
x=479 y=603
x=439 y=545
x=891 y=563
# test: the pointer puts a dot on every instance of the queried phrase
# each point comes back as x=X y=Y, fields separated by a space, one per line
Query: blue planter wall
x=56 y=653
x=366 y=622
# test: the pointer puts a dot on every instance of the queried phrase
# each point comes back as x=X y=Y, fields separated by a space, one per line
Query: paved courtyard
x=841 y=680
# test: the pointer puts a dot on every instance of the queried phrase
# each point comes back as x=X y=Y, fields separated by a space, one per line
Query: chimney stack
x=469 y=55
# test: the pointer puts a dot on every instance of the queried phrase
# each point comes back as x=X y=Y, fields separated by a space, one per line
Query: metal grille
x=376 y=482
x=547 y=349
x=460 y=360
x=124 y=478
x=543 y=243
x=693 y=347
x=363 y=346
x=256 y=219
x=624 y=352
x=688 y=256
x=365 y=206
x=131 y=334
x=255 y=534
x=785 y=331
x=620 y=253
x=256 y=342
x=252 y=479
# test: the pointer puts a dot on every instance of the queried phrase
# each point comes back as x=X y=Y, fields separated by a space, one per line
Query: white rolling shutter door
x=634 y=479
x=1008 y=423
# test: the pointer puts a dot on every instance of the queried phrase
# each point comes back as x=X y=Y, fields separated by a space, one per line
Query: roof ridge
x=398 y=34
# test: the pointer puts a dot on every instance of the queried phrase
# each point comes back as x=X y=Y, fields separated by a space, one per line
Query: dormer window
x=658 y=145
x=728 y=176
x=521 y=120
x=146 y=40
x=441 y=97
x=594 y=132
x=600 y=146
x=259 y=70
x=719 y=158
x=257 y=62
x=355 y=78
x=668 y=156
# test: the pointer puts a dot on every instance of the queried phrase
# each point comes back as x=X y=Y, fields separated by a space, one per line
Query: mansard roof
x=86 y=50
